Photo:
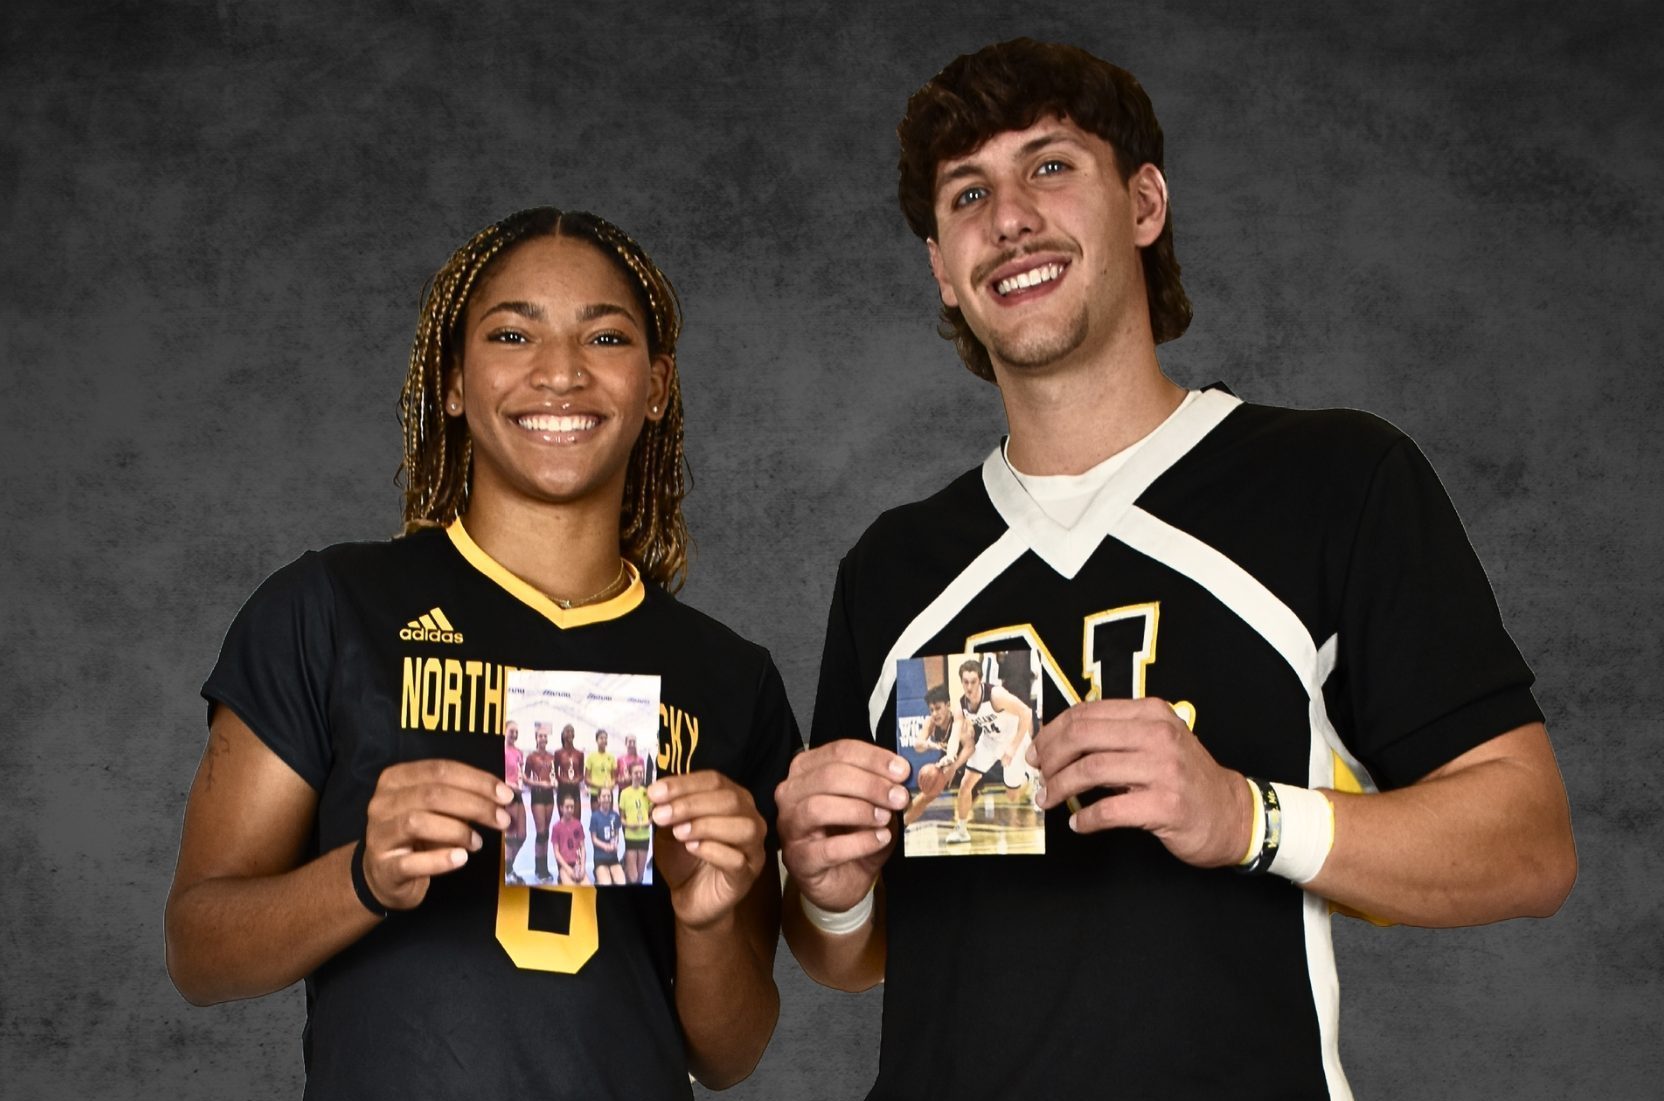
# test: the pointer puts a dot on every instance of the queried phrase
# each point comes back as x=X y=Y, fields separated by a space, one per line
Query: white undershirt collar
x=1064 y=497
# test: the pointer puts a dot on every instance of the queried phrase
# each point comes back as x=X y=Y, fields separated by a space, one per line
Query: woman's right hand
x=421 y=824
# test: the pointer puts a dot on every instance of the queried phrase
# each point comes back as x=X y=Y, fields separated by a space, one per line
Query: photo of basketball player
x=606 y=839
x=569 y=844
x=936 y=738
x=970 y=716
x=539 y=772
x=514 y=762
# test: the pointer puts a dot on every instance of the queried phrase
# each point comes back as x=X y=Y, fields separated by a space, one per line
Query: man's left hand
x=1158 y=777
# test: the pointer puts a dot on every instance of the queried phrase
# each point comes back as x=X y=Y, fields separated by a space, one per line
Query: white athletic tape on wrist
x=1308 y=833
x=838 y=923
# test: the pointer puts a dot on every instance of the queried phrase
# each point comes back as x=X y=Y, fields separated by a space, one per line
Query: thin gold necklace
x=604 y=592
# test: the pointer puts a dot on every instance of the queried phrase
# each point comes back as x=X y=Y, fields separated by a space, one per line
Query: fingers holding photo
x=421 y=822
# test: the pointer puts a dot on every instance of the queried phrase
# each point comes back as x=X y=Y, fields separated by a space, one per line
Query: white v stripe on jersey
x=1067 y=549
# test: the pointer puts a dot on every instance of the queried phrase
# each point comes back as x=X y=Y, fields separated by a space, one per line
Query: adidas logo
x=430 y=627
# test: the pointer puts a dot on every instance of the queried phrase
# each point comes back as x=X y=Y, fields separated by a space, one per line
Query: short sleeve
x=1425 y=669
x=273 y=670
x=774 y=741
x=840 y=702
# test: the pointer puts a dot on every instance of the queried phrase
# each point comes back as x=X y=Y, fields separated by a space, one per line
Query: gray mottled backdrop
x=217 y=217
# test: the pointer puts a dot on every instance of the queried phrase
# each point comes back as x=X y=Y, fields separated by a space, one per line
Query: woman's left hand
x=709 y=844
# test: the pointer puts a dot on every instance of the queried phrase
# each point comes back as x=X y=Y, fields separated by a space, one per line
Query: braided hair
x=438 y=454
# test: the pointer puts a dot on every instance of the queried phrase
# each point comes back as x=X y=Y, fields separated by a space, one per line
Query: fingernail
x=1073 y=824
x=898 y=769
x=656 y=792
x=661 y=815
x=879 y=814
x=505 y=794
x=502 y=819
x=474 y=841
x=883 y=836
x=1030 y=756
x=458 y=857
x=693 y=846
x=898 y=797
x=681 y=832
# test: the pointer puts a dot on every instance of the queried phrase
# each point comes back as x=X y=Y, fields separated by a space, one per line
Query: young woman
x=569 y=844
x=606 y=832
x=342 y=827
x=514 y=775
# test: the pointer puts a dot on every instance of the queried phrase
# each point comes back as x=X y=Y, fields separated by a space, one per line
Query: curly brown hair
x=438 y=452
x=1011 y=86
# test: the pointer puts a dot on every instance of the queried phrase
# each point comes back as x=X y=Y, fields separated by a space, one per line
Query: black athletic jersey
x=363 y=655
x=1298 y=585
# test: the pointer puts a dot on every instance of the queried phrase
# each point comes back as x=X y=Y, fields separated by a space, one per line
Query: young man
x=1238 y=609
x=940 y=727
x=999 y=725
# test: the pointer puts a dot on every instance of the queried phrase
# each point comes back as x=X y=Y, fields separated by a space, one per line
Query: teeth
x=548 y=422
x=1023 y=280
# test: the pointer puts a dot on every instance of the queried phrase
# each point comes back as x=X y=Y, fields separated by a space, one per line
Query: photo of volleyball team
x=579 y=750
x=964 y=722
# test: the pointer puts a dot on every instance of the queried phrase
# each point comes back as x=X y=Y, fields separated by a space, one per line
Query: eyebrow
x=529 y=310
x=1030 y=147
x=534 y=312
x=604 y=309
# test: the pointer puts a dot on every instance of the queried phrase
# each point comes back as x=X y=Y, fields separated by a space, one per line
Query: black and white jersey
x=357 y=657
x=1298 y=585
x=981 y=718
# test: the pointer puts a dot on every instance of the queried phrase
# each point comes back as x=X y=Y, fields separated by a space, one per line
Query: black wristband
x=361 y=886
x=1272 y=808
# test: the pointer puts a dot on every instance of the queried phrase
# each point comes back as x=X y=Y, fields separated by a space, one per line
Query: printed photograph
x=964 y=721
x=579 y=750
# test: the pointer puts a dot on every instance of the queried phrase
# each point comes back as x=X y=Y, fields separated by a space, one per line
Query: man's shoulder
x=958 y=510
x=1346 y=435
x=1326 y=457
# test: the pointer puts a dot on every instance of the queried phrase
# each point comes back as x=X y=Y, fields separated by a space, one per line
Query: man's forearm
x=851 y=961
x=1489 y=840
x=242 y=936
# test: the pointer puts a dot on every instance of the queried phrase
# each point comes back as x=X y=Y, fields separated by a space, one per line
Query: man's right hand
x=837 y=810
x=420 y=825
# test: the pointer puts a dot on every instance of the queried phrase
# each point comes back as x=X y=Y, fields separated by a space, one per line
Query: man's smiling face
x=1037 y=240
